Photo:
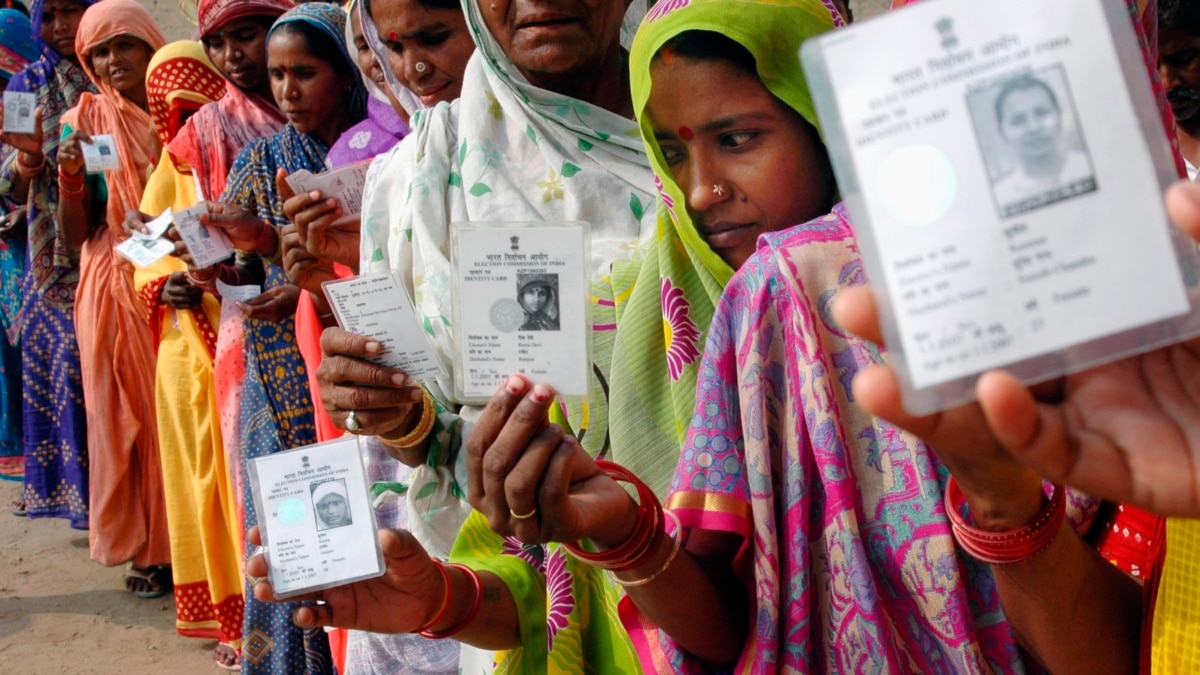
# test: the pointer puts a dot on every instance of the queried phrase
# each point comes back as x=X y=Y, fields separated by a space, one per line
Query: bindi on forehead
x=686 y=133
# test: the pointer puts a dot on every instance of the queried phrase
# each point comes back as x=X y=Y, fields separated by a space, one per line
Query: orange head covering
x=180 y=79
x=110 y=112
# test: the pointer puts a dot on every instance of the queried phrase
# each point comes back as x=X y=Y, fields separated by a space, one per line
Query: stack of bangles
x=642 y=545
x=70 y=186
x=420 y=432
x=30 y=170
x=1014 y=546
x=426 y=631
x=205 y=281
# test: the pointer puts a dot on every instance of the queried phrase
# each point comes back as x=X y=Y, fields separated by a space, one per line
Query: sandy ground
x=62 y=613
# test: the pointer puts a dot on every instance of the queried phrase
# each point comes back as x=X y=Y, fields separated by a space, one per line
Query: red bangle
x=471 y=613
x=646 y=535
x=441 y=613
x=28 y=171
x=1011 y=547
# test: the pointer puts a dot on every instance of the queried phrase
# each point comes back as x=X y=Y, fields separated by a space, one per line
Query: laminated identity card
x=376 y=305
x=315 y=514
x=19 y=112
x=521 y=296
x=146 y=248
x=344 y=184
x=100 y=155
x=207 y=245
x=1004 y=163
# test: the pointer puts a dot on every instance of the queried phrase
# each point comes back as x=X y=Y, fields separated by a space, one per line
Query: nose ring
x=718 y=189
x=421 y=67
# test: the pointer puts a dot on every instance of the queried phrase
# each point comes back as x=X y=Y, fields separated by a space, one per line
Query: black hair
x=321 y=45
x=1181 y=15
x=706 y=45
x=1023 y=83
x=427 y=4
x=13 y=4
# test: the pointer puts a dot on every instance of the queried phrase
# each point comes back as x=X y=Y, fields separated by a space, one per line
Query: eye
x=434 y=39
x=672 y=154
x=736 y=140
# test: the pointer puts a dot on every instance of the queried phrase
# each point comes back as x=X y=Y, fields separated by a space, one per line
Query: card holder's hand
x=533 y=482
x=315 y=217
x=304 y=269
x=275 y=304
x=383 y=399
x=30 y=144
x=70 y=153
x=1128 y=431
x=179 y=293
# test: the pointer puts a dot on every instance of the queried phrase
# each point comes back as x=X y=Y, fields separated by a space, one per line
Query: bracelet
x=27 y=171
x=201 y=282
x=476 y=603
x=1011 y=547
x=666 y=563
x=645 y=536
x=441 y=613
x=70 y=187
x=277 y=252
x=425 y=425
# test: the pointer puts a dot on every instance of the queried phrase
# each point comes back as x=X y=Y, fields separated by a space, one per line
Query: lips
x=725 y=234
x=545 y=21
x=430 y=96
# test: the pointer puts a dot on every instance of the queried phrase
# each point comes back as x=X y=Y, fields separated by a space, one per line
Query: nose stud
x=718 y=189
x=421 y=67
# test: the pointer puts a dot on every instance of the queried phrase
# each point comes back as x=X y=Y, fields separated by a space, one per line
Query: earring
x=718 y=189
x=743 y=198
x=493 y=6
x=421 y=67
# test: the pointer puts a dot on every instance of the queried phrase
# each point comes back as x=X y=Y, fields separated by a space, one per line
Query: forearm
x=74 y=218
x=1072 y=610
x=496 y=626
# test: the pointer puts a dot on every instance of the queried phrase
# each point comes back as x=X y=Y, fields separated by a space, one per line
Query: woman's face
x=746 y=163
x=332 y=509
x=60 y=22
x=1031 y=122
x=121 y=63
x=307 y=88
x=535 y=297
x=437 y=39
x=239 y=50
x=363 y=54
x=549 y=39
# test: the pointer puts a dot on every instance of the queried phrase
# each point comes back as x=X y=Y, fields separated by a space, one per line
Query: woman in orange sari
x=115 y=42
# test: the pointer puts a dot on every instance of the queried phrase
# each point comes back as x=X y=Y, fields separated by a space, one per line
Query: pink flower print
x=534 y=554
x=680 y=331
x=561 y=593
x=664 y=7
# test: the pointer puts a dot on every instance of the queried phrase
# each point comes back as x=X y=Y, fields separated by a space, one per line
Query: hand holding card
x=207 y=245
x=100 y=154
x=20 y=110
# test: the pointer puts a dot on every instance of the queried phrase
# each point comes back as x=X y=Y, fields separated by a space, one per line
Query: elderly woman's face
x=549 y=39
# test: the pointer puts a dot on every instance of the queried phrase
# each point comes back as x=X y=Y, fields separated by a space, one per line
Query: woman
x=316 y=84
x=17 y=50
x=201 y=509
x=53 y=414
x=115 y=43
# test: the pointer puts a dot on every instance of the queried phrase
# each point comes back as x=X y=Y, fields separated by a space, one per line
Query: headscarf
x=330 y=20
x=408 y=100
x=510 y=151
x=383 y=127
x=661 y=333
x=212 y=14
x=17 y=47
x=110 y=112
x=213 y=137
x=180 y=79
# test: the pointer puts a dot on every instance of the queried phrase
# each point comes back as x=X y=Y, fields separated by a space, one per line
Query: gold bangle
x=666 y=563
x=277 y=252
x=415 y=437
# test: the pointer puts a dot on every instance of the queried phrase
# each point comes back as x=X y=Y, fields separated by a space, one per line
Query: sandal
x=226 y=657
x=151 y=582
x=17 y=507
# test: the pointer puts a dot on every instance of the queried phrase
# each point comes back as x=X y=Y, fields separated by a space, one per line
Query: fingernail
x=331 y=201
x=515 y=384
x=416 y=394
x=399 y=379
x=541 y=393
x=373 y=347
x=315 y=194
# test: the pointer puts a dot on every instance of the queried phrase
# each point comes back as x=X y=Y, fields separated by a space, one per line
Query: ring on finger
x=524 y=516
x=352 y=424
x=254 y=581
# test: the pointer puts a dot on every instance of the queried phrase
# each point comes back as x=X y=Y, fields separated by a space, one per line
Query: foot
x=226 y=657
x=148 y=582
x=17 y=507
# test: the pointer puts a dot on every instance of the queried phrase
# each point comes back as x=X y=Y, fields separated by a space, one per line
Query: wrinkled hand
x=179 y=293
x=316 y=223
x=70 y=153
x=1128 y=431
x=275 y=304
x=382 y=397
x=30 y=144
x=518 y=463
x=13 y=222
x=404 y=599
x=304 y=269
x=243 y=228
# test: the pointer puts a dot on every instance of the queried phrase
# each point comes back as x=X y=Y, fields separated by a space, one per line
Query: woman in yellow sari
x=184 y=314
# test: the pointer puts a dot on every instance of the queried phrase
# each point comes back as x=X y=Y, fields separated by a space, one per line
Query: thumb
x=285 y=190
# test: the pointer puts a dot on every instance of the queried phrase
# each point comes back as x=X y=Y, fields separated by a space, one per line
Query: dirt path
x=61 y=613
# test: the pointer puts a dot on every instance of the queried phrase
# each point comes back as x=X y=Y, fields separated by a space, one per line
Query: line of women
x=145 y=390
